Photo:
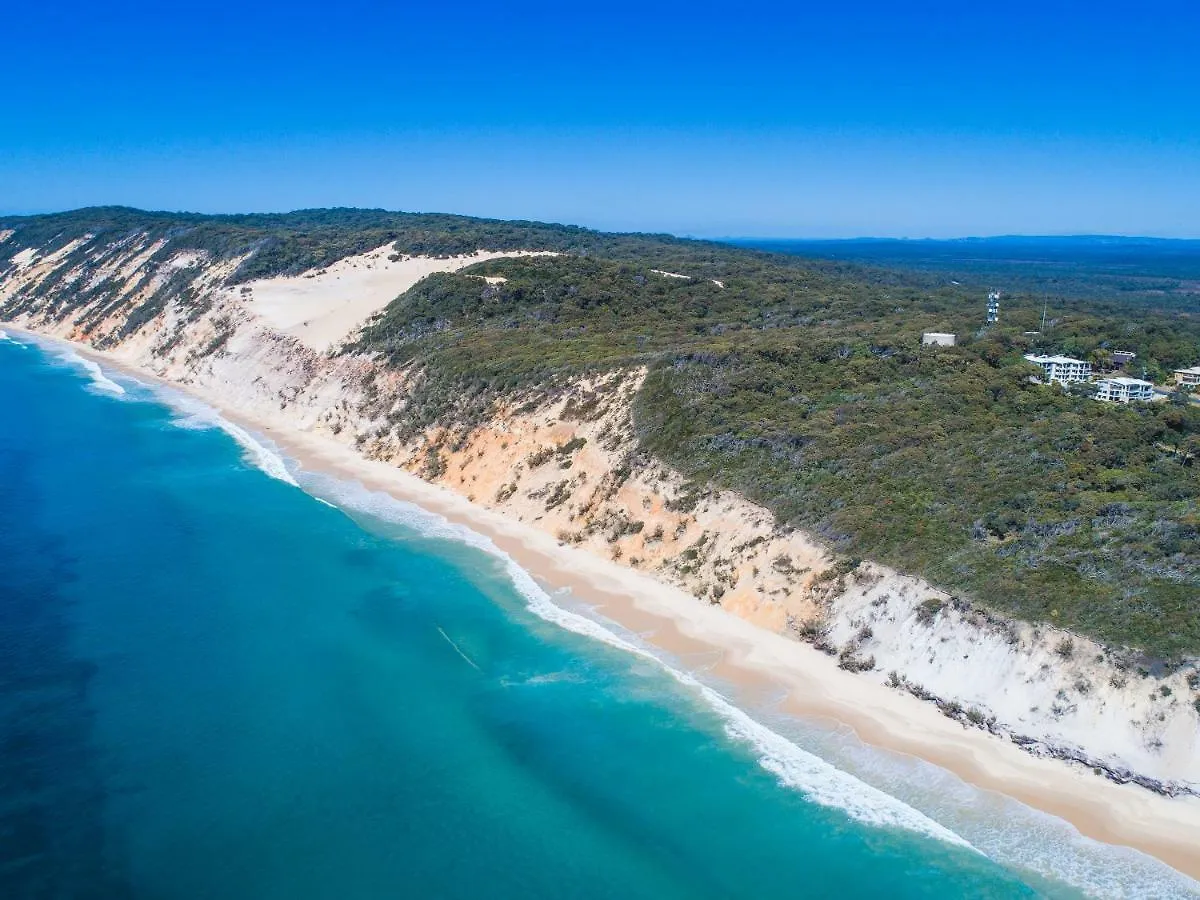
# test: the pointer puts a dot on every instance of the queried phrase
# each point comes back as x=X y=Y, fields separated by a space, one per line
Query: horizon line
x=723 y=238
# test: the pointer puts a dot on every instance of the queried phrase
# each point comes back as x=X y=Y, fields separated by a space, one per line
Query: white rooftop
x=1194 y=370
x=1129 y=382
x=1061 y=360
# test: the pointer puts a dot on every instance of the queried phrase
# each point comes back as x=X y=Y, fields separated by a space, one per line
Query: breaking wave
x=67 y=355
x=191 y=413
x=194 y=414
x=6 y=338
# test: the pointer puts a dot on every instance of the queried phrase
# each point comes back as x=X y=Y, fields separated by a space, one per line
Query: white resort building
x=1124 y=390
x=1188 y=377
x=1062 y=369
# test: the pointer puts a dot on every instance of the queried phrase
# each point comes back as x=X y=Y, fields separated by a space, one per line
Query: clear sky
x=739 y=118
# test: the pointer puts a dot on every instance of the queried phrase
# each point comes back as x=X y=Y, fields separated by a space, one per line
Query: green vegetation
x=804 y=386
x=1030 y=500
x=1150 y=271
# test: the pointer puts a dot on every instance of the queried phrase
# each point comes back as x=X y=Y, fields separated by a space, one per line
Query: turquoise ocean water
x=222 y=677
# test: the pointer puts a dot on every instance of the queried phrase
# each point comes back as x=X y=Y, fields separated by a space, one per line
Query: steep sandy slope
x=323 y=307
x=569 y=464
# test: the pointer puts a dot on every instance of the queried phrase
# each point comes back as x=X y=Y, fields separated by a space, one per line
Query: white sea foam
x=1028 y=839
x=816 y=779
x=192 y=413
x=1002 y=828
x=66 y=354
x=195 y=414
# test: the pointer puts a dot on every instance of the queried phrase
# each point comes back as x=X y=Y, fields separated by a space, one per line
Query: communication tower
x=993 y=307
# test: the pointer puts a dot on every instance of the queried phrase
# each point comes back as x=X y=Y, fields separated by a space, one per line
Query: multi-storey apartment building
x=1062 y=369
x=1124 y=390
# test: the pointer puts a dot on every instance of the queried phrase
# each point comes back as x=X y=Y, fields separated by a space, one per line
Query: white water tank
x=938 y=339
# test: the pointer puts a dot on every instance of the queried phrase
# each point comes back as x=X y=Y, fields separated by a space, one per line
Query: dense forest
x=802 y=384
x=1155 y=272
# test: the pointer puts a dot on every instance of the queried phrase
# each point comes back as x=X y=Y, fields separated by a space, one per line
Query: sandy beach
x=762 y=663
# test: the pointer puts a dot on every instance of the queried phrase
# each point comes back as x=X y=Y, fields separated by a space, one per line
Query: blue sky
x=900 y=119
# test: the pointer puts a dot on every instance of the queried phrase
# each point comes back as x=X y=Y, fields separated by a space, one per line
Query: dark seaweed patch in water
x=51 y=796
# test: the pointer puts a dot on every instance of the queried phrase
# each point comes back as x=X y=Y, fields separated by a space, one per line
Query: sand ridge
x=323 y=307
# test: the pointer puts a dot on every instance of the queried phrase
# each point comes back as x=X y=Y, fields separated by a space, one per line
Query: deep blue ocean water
x=215 y=685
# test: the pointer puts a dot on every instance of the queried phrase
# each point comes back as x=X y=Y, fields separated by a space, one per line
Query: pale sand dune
x=323 y=308
x=24 y=258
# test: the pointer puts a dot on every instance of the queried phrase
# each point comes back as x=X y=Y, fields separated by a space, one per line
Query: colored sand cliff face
x=568 y=460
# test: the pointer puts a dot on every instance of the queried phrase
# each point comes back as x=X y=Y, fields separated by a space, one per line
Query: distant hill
x=1154 y=271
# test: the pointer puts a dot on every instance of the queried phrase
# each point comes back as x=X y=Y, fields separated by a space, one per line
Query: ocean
x=222 y=676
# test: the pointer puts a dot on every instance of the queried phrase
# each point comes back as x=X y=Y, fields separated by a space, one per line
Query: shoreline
x=757 y=661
